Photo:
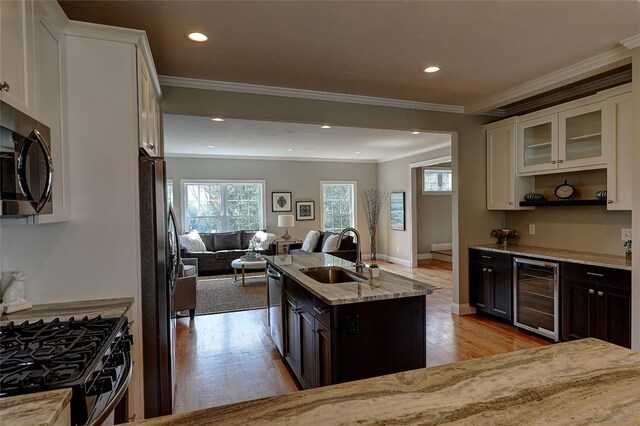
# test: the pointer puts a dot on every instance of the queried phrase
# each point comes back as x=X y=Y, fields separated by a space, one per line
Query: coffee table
x=247 y=264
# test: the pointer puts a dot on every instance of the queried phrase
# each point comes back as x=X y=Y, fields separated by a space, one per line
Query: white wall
x=301 y=178
x=433 y=217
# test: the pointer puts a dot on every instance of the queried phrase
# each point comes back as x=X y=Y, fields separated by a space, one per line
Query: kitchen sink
x=332 y=275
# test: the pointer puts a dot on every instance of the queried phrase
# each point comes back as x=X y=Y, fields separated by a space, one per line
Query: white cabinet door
x=148 y=109
x=505 y=190
x=538 y=144
x=16 y=54
x=618 y=124
x=48 y=109
x=581 y=141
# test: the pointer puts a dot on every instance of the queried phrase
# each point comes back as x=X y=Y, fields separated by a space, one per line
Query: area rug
x=219 y=294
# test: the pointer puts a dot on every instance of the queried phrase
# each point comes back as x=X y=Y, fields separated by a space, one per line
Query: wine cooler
x=536 y=296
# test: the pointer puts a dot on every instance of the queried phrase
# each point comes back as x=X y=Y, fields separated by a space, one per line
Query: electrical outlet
x=532 y=229
x=626 y=234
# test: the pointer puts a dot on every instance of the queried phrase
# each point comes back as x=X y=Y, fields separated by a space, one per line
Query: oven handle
x=122 y=388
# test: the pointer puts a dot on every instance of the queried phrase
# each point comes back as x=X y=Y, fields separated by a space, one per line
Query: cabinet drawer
x=322 y=312
x=491 y=257
x=597 y=274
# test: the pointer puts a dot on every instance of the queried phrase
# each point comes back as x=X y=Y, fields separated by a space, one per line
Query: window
x=169 y=192
x=338 y=205
x=436 y=180
x=212 y=206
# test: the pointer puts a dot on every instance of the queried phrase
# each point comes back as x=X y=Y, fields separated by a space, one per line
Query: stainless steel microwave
x=26 y=169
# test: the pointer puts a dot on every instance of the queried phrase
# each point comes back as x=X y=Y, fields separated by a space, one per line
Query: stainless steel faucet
x=359 y=263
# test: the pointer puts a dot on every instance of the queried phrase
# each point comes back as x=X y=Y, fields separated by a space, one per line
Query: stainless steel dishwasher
x=274 y=300
x=536 y=300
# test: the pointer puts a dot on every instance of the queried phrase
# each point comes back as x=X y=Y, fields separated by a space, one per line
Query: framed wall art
x=281 y=202
x=305 y=210
x=396 y=202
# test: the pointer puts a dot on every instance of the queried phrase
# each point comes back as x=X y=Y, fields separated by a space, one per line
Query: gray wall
x=301 y=178
x=433 y=217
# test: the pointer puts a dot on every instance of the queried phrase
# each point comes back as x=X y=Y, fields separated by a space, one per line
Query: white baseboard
x=399 y=261
x=425 y=256
x=443 y=257
x=443 y=246
x=464 y=309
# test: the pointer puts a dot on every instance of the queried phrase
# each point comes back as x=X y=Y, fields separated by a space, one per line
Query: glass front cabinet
x=571 y=139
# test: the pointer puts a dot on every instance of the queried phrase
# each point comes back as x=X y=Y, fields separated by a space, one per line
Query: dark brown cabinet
x=596 y=302
x=334 y=344
x=490 y=288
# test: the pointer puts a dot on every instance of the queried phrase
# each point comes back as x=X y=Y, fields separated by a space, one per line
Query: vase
x=373 y=247
x=627 y=256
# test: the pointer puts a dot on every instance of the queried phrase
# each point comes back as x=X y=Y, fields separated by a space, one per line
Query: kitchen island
x=586 y=381
x=354 y=327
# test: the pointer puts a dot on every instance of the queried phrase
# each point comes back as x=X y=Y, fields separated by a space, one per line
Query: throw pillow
x=331 y=243
x=192 y=242
x=262 y=240
x=310 y=241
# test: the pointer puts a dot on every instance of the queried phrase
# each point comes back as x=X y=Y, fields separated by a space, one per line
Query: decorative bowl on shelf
x=502 y=235
x=602 y=194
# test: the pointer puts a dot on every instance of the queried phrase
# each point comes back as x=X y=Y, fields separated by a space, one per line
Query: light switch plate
x=532 y=229
x=626 y=234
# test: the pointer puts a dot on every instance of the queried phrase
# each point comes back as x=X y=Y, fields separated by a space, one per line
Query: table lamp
x=285 y=221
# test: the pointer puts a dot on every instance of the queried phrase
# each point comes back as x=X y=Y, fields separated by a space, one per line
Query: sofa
x=346 y=249
x=220 y=249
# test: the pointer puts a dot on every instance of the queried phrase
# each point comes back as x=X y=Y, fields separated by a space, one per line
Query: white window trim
x=354 y=201
x=170 y=183
x=433 y=168
x=185 y=182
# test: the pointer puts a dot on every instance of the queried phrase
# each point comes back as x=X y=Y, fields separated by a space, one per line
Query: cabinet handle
x=553 y=161
x=484 y=269
x=609 y=201
x=4 y=86
x=320 y=311
x=486 y=257
x=132 y=419
x=510 y=203
x=591 y=291
x=152 y=146
x=595 y=274
x=489 y=270
x=601 y=293
x=560 y=161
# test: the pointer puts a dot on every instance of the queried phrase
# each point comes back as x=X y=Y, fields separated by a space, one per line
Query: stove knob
x=100 y=386
x=116 y=360
x=110 y=373
x=129 y=338
x=124 y=346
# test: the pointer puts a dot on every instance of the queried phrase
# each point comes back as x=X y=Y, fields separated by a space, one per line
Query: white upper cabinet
x=568 y=140
x=618 y=121
x=148 y=109
x=504 y=188
x=16 y=55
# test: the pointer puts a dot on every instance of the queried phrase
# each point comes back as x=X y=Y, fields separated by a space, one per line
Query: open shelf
x=584 y=137
x=553 y=203
x=538 y=145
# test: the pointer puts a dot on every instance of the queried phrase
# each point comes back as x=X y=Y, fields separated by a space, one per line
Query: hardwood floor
x=227 y=358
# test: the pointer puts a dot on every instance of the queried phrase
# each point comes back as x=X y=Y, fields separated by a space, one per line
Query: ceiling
x=191 y=136
x=374 y=48
x=369 y=48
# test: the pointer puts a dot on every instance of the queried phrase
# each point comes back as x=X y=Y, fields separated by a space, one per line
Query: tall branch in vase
x=372 y=201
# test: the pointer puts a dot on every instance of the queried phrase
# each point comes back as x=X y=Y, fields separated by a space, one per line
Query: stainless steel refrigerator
x=159 y=260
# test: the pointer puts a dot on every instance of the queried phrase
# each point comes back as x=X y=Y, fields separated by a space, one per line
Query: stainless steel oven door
x=26 y=167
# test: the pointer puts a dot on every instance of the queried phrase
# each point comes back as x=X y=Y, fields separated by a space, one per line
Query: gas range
x=90 y=355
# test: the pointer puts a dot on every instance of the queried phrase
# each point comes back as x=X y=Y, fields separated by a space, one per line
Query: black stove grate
x=46 y=355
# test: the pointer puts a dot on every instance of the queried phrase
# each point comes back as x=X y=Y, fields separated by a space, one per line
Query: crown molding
x=254 y=157
x=631 y=42
x=583 y=69
x=117 y=34
x=225 y=86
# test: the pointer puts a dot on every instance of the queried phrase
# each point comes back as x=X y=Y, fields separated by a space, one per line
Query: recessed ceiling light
x=415 y=132
x=325 y=126
x=432 y=69
x=357 y=152
x=211 y=146
x=290 y=149
x=199 y=37
x=217 y=119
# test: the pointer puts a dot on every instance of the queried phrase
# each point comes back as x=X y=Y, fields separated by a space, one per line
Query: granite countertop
x=586 y=258
x=66 y=310
x=579 y=382
x=386 y=286
x=42 y=408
